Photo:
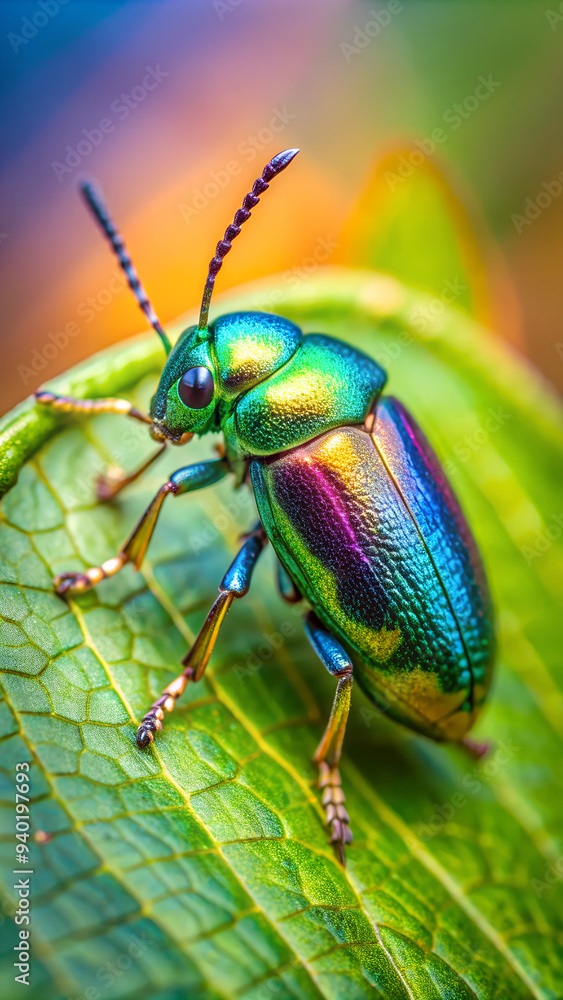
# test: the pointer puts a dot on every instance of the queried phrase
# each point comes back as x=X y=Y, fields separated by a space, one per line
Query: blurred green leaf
x=200 y=869
x=411 y=223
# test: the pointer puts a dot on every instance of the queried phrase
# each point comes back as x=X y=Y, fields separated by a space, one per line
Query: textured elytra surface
x=334 y=514
x=200 y=868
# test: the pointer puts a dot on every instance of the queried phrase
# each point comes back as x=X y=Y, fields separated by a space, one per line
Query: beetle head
x=186 y=399
x=208 y=370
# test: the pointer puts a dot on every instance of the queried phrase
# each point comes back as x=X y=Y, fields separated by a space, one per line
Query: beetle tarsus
x=153 y=720
x=144 y=737
x=72 y=583
x=90 y=407
x=337 y=817
x=79 y=583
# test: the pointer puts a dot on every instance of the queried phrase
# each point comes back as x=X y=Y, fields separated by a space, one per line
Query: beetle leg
x=108 y=486
x=286 y=587
x=328 y=752
x=235 y=583
x=90 y=407
x=191 y=477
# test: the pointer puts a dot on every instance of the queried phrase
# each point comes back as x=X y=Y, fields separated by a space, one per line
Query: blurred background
x=175 y=106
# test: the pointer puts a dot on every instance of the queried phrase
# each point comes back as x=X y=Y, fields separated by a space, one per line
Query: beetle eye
x=195 y=388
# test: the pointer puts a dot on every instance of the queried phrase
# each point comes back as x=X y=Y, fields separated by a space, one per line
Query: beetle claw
x=68 y=583
x=144 y=737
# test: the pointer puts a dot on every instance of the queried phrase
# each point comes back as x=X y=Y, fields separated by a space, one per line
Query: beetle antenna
x=96 y=204
x=271 y=170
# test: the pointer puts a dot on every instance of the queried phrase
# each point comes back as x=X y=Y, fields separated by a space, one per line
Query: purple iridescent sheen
x=373 y=536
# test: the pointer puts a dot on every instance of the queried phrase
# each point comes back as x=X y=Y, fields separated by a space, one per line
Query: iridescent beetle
x=349 y=493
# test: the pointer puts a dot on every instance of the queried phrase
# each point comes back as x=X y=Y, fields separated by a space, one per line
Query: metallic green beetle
x=350 y=494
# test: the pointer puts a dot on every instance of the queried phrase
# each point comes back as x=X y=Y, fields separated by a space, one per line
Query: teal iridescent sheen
x=326 y=384
x=274 y=388
x=375 y=540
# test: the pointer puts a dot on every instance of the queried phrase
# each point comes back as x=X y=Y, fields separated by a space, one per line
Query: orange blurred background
x=196 y=96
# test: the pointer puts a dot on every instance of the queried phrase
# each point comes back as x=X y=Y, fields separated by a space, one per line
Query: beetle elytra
x=366 y=529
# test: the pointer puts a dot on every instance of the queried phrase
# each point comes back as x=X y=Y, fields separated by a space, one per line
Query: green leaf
x=410 y=222
x=200 y=869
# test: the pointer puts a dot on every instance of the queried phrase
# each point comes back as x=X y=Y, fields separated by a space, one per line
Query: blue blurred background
x=175 y=106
